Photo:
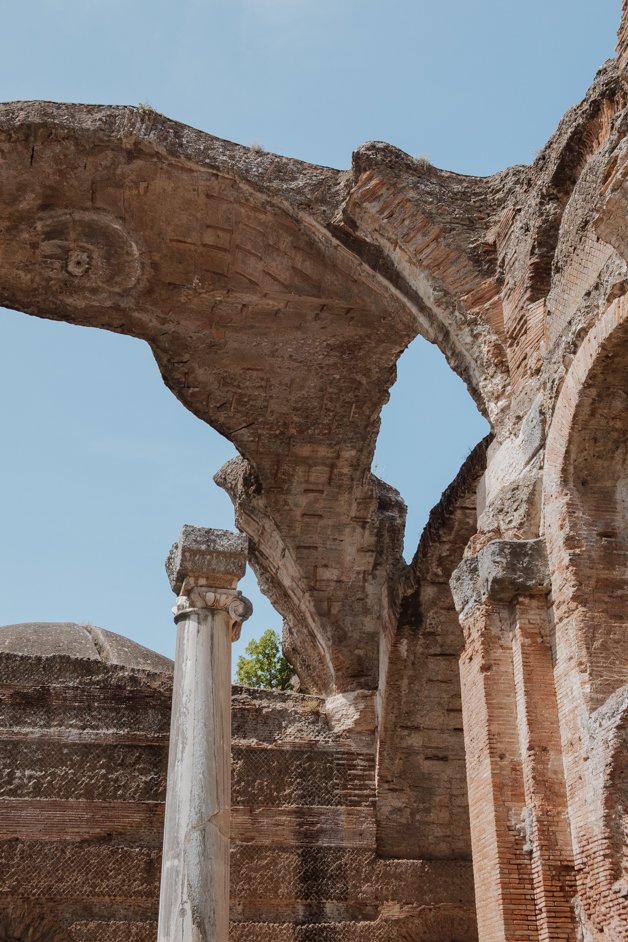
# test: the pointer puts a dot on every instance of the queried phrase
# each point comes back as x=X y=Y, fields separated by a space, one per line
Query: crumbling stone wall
x=422 y=804
x=277 y=297
x=84 y=720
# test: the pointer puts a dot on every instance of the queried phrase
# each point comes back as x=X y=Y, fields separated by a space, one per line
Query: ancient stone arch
x=586 y=475
x=276 y=297
x=262 y=281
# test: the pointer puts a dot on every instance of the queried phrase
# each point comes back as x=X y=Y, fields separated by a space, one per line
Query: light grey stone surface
x=500 y=571
x=219 y=556
x=194 y=897
x=67 y=639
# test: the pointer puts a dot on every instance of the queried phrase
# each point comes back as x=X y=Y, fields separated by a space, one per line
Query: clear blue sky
x=101 y=465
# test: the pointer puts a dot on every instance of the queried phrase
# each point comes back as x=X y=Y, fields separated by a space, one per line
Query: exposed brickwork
x=586 y=517
x=545 y=822
x=503 y=872
x=422 y=805
x=294 y=777
x=277 y=297
x=81 y=812
x=80 y=771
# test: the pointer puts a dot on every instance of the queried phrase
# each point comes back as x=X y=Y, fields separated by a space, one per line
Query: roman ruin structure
x=457 y=768
x=204 y=568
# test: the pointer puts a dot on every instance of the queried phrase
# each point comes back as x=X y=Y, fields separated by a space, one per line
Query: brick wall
x=83 y=746
x=586 y=520
x=422 y=807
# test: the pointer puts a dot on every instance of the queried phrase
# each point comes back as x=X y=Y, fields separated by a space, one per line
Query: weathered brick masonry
x=84 y=719
x=473 y=704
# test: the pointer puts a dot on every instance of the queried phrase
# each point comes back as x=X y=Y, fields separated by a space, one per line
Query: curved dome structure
x=67 y=639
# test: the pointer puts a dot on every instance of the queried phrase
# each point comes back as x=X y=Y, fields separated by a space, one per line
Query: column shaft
x=194 y=899
x=204 y=568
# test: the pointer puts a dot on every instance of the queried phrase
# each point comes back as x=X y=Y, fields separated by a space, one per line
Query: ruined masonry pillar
x=204 y=568
x=522 y=860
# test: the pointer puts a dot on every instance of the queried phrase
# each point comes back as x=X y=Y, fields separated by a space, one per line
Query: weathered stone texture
x=276 y=297
x=81 y=811
x=622 y=42
x=422 y=805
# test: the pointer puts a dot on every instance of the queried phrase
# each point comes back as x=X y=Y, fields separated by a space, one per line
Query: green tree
x=265 y=665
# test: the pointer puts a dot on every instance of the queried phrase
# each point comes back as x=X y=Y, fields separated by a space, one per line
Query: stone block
x=502 y=570
x=215 y=557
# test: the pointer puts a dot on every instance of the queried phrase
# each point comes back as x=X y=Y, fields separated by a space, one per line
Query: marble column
x=204 y=568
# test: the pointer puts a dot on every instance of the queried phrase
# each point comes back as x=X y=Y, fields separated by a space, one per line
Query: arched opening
x=585 y=515
x=597 y=479
x=266 y=320
x=281 y=336
x=102 y=467
x=586 y=508
x=428 y=428
x=429 y=437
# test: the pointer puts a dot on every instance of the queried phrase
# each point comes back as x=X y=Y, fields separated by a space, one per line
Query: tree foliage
x=263 y=664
